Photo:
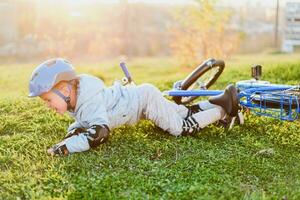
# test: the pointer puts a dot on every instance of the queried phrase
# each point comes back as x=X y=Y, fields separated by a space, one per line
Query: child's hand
x=50 y=151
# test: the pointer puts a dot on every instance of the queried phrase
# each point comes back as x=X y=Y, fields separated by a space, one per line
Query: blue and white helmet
x=48 y=74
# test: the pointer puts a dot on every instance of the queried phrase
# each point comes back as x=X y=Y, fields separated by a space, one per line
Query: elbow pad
x=97 y=134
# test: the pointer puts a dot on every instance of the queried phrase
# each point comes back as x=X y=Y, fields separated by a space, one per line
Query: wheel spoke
x=201 y=78
x=208 y=76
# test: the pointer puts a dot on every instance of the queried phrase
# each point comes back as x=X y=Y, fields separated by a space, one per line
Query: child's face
x=54 y=102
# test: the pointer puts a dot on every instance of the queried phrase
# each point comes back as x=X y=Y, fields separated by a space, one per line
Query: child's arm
x=92 y=137
x=78 y=140
x=75 y=125
x=74 y=129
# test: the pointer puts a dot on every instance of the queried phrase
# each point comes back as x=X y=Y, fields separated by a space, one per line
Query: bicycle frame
x=255 y=95
x=271 y=101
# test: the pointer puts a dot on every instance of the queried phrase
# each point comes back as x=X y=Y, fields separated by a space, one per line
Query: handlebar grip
x=126 y=72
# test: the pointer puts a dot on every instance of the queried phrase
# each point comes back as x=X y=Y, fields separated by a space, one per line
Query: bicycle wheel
x=279 y=104
x=202 y=77
x=278 y=99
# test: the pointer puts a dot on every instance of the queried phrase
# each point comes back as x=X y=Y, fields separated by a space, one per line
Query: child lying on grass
x=97 y=109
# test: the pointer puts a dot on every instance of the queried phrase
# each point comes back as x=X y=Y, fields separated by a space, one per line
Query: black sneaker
x=228 y=100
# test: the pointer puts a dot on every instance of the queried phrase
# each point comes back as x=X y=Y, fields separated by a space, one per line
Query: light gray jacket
x=101 y=105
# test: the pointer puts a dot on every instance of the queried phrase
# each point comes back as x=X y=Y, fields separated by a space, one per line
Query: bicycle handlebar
x=126 y=72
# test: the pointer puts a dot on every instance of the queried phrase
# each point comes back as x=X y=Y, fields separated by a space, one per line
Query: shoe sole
x=234 y=98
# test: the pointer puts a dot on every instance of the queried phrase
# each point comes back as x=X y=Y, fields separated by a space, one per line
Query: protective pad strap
x=60 y=150
x=190 y=126
x=192 y=110
x=66 y=99
x=74 y=131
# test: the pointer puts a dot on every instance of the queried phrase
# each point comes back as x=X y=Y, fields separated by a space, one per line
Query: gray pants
x=168 y=115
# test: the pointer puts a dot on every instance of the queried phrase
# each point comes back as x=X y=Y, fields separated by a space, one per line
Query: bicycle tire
x=200 y=71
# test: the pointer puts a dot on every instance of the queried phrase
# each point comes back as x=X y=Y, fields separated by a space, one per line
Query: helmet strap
x=66 y=99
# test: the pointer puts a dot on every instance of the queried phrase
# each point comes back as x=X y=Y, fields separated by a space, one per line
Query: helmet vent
x=66 y=61
x=34 y=75
x=50 y=63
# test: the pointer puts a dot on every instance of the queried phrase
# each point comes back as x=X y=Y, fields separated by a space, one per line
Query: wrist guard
x=60 y=149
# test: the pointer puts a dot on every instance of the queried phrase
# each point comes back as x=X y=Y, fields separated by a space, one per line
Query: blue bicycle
x=260 y=97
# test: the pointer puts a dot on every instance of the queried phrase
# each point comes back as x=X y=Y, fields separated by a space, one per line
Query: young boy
x=97 y=109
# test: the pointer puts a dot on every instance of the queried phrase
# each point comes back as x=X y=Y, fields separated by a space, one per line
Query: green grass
x=259 y=160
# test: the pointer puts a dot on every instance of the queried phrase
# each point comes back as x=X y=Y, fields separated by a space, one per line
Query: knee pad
x=97 y=135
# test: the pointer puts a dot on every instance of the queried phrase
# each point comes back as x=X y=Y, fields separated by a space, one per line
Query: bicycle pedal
x=241 y=118
x=231 y=123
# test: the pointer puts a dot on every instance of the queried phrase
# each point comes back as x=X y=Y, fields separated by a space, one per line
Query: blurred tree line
x=192 y=32
x=201 y=31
